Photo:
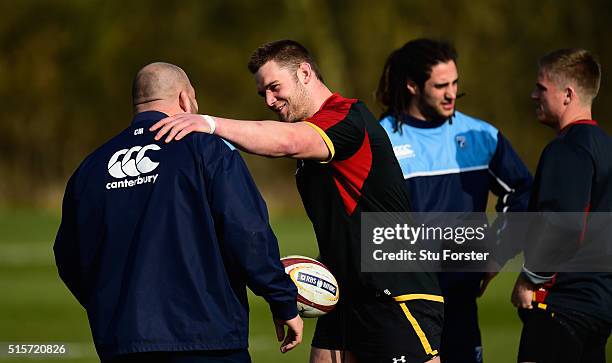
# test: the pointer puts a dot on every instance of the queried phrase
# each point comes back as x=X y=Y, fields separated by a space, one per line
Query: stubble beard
x=298 y=105
x=431 y=113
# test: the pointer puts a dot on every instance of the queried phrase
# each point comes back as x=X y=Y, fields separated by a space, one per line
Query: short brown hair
x=576 y=65
x=287 y=53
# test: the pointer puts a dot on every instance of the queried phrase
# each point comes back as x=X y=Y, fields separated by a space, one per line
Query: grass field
x=35 y=306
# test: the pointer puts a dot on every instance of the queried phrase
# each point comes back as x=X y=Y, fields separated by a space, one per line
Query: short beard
x=299 y=104
x=430 y=113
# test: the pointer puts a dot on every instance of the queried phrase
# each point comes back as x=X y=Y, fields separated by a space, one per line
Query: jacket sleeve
x=511 y=182
x=245 y=236
x=565 y=174
x=66 y=247
x=510 y=178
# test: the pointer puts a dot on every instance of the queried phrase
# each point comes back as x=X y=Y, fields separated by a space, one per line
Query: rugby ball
x=318 y=290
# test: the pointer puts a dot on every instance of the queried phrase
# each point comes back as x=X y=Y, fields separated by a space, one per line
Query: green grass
x=36 y=307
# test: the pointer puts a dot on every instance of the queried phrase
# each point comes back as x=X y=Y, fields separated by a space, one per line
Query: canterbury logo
x=401 y=359
x=132 y=162
x=404 y=151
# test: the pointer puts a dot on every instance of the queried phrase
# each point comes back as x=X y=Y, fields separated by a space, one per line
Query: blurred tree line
x=66 y=68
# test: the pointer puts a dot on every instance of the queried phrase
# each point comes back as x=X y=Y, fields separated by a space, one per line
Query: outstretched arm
x=297 y=140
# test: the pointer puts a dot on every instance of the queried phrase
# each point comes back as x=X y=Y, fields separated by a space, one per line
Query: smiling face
x=549 y=99
x=283 y=92
x=436 y=99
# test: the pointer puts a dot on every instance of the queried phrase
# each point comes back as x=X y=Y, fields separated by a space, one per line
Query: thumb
x=293 y=338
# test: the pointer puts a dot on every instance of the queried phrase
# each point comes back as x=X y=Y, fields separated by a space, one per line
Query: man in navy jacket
x=158 y=241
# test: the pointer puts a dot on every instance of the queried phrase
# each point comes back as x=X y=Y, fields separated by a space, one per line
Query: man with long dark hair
x=450 y=162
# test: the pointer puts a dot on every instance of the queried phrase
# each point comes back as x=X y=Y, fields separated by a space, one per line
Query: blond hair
x=576 y=66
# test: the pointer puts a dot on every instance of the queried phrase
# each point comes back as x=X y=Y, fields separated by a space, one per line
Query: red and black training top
x=574 y=176
x=361 y=175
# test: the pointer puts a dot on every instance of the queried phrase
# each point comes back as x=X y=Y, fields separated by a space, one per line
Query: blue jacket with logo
x=159 y=241
x=451 y=165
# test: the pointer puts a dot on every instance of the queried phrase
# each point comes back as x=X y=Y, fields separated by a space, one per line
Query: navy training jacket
x=158 y=242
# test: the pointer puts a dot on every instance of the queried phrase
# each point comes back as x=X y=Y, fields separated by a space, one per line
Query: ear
x=413 y=88
x=184 y=101
x=305 y=73
x=569 y=95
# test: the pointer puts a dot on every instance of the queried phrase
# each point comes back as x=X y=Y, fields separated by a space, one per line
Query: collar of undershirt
x=329 y=99
x=422 y=124
x=578 y=122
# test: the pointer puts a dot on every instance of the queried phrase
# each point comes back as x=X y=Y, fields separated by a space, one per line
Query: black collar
x=422 y=124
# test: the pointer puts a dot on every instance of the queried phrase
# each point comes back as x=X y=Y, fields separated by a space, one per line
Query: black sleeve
x=347 y=136
x=564 y=179
x=511 y=182
x=344 y=135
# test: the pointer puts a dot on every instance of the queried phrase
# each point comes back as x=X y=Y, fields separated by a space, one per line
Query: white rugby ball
x=318 y=290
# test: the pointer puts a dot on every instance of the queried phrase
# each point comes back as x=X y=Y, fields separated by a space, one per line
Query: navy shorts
x=461 y=340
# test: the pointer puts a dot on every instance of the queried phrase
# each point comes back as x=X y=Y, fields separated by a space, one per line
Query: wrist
x=534 y=278
x=211 y=123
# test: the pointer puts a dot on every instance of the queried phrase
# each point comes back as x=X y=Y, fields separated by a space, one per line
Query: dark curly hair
x=414 y=62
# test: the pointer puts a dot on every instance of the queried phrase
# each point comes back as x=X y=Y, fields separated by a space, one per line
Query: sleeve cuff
x=284 y=311
x=326 y=139
x=535 y=278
